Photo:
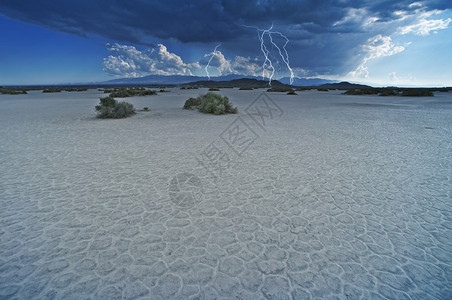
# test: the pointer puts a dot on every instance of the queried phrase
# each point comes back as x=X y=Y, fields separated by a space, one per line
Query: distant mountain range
x=170 y=79
x=205 y=81
x=242 y=82
x=305 y=81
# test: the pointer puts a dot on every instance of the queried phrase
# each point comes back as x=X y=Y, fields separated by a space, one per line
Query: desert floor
x=318 y=195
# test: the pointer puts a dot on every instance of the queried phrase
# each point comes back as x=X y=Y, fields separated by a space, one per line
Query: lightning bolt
x=212 y=54
x=262 y=33
x=265 y=51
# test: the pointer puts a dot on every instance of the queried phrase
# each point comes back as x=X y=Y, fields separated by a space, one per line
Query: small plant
x=245 y=88
x=109 y=108
x=387 y=92
x=12 y=91
x=146 y=108
x=214 y=89
x=291 y=93
x=192 y=103
x=417 y=93
x=211 y=103
x=130 y=92
x=322 y=90
x=51 y=90
x=281 y=89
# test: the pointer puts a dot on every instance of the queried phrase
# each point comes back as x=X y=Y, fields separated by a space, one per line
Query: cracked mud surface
x=336 y=199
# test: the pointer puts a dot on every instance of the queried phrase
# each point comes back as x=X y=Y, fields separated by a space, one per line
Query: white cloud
x=418 y=22
x=393 y=77
x=127 y=61
x=220 y=65
x=246 y=66
x=219 y=62
x=424 y=26
x=377 y=46
x=357 y=16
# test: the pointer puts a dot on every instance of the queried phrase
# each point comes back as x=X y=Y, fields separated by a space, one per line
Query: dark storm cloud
x=314 y=27
x=191 y=21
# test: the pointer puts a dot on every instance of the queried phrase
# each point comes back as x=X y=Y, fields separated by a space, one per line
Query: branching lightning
x=265 y=51
x=212 y=54
x=262 y=33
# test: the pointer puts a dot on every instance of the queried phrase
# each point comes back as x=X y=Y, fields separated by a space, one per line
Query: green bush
x=192 y=103
x=214 y=89
x=322 y=90
x=130 y=92
x=12 y=91
x=417 y=93
x=211 y=103
x=245 y=88
x=51 y=90
x=75 y=89
x=282 y=89
x=216 y=104
x=387 y=92
x=291 y=93
x=146 y=108
x=109 y=108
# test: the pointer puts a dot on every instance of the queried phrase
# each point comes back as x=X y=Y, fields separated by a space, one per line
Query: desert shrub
x=291 y=93
x=281 y=89
x=146 y=108
x=302 y=89
x=109 y=108
x=130 y=92
x=417 y=93
x=216 y=104
x=75 y=89
x=214 y=89
x=163 y=91
x=211 y=103
x=192 y=103
x=12 y=91
x=51 y=90
x=245 y=88
x=322 y=90
x=362 y=92
x=387 y=92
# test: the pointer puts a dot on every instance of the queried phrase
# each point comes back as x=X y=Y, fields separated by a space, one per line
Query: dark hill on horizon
x=242 y=82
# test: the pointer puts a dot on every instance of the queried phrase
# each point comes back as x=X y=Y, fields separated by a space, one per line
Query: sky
x=382 y=43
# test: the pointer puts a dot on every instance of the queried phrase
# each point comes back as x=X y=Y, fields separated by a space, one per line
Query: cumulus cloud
x=127 y=61
x=377 y=46
x=247 y=66
x=216 y=60
x=220 y=65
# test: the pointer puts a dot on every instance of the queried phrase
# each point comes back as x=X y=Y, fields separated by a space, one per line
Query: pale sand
x=337 y=198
